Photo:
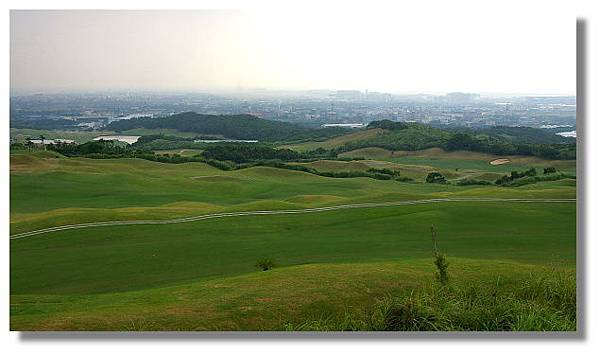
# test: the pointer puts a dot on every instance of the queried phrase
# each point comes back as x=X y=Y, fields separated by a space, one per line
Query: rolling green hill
x=335 y=269
x=80 y=189
x=246 y=127
x=344 y=296
x=459 y=161
x=399 y=136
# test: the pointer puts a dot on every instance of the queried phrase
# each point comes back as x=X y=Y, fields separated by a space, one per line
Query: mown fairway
x=459 y=161
x=201 y=275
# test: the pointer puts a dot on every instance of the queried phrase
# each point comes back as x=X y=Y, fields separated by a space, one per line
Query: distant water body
x=568 y=134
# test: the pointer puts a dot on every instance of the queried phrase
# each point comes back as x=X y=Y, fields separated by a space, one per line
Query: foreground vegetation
x=397 y=295
x=541 y=302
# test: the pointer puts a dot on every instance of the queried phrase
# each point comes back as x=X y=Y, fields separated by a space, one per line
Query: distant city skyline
x=259 y=90
x=234 y=51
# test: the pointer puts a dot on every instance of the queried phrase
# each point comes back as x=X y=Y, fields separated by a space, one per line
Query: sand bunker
x=500 y=161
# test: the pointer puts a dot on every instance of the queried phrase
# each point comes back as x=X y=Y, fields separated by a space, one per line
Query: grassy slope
x=416 y=172
x=336 y=141
x=86 y=190
x=257 y=300
x=182 y=152
x=461 y=160
x=124 y=258
x=200 y=275
x=455 y=165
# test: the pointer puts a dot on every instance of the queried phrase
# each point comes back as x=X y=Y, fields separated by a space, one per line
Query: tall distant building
x=348 y=94
x=461 y=97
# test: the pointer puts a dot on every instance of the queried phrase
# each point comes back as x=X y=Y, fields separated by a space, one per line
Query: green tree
x=435 y=178
x=42 y=138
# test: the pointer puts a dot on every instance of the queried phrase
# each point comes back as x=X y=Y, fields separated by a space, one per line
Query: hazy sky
x=392 y=51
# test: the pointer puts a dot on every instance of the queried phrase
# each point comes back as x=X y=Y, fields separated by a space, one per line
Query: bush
x=466 y=182
x=441 y=264
x=407 y=316
x=549 y=170
x=435 y=178
x=383 y=171
x=242 y=153
x=543 y=301
x=403 y=179
x=507 y=181
x=265 y=264
x=515 y=175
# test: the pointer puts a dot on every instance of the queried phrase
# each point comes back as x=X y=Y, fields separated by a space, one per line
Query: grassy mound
x=335 y=142
x=398 y=295
x=355 y=269
x=459 y=160
x=121 y=258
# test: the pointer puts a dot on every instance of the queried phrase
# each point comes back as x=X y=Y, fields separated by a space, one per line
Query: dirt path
x=277 y=212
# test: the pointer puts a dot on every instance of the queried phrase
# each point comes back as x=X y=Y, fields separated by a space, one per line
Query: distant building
x=348 y=94
x=461 y=97
x=52 y=141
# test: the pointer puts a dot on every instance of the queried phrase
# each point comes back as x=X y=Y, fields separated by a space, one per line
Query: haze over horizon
x=296 y=50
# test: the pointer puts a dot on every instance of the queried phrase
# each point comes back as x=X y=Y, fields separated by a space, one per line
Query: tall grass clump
x=439 y=260
x=545 y=301
x=264 y=264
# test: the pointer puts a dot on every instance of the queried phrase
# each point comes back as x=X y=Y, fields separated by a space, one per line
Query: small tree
x=530 y=172
x=264 y=264
x=29 y=144
x=439 y=260
x=435 y=178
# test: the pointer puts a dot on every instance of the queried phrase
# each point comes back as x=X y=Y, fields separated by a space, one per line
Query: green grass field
x=334 y=269
x=334 y=142
x=182 y=152
x=461 y=160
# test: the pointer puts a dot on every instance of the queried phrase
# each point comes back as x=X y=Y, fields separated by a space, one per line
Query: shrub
x=515 y=175
x=441 y=264
x=403 y=179
x=435 y=178
x=466 y=182
x=439 y=260
x=383 y=171
x=407 y=316
x=543 y=301
x=265 y=264
x=534 y=179
x=549 y=170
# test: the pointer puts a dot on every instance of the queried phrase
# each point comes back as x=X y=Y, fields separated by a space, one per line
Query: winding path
x=276 y=212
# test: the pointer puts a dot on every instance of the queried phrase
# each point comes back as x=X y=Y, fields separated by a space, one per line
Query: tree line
x=231 y=126
x=413 y=136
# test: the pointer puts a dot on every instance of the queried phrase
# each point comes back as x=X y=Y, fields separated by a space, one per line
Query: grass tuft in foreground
x=539 y=303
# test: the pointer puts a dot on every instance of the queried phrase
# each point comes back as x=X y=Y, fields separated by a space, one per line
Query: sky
x=491 y=50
